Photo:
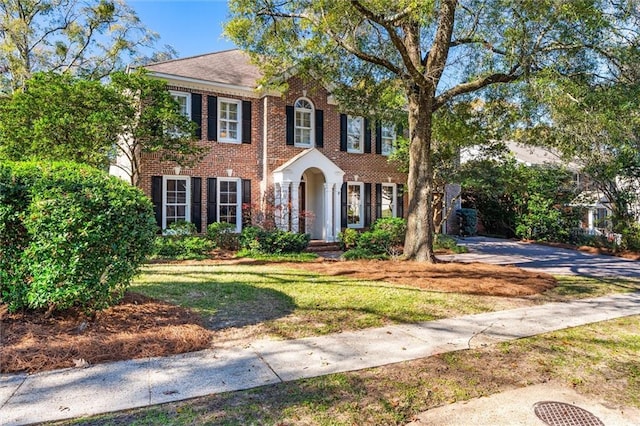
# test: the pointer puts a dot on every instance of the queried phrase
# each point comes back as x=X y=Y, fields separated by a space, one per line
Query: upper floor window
x=388 y=138
x=355 y=134
x=184 y=104
x=229 y=120
x=303 y=132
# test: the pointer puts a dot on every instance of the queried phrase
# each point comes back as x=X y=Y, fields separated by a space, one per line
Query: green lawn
x=293 y=303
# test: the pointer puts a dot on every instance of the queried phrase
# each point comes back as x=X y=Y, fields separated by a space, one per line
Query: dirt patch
x=138 y=327
x=469 y=278
x=141 y=327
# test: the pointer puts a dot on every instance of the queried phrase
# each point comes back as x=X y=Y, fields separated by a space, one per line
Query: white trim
x=361 y=206
x=165 y=178
x=187 y=96
x=238 y=103
x=361 y=139
x=238 y=182
x=394 y=198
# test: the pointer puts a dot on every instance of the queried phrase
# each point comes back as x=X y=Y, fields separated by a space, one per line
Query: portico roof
x=293 y=169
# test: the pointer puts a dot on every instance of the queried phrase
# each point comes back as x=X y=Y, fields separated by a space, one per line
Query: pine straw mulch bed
x=141 y=327
x=138 y=327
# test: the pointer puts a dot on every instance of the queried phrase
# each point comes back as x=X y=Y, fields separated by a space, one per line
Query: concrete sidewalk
x=117 y=386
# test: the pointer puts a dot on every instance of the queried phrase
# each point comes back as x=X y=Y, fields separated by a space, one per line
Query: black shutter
x=156 y=198
x=319 y=128
x=367 y=136
x=343 y=209
x=246 y=121
x=196 y=202
x=246 y=202
x=400 y=201
x=212 y=198
x=378 y=200
x=196 y=113
x=378 y=138
x=212 y=118
x=343 y=132
x=290 y=124
x=367 y=204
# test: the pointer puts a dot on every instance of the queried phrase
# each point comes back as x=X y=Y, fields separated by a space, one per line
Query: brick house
x=294 y=154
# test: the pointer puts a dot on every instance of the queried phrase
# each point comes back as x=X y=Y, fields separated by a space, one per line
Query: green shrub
x=273 y=241
x=180 y=228
x=224 y=235
x=72 y=236
x=396 y=227
x=277 y=241
x=375 y=242
x=447 y=242
x=358 y=253
x=182 y=248
x=468 y=221
x=348 y=239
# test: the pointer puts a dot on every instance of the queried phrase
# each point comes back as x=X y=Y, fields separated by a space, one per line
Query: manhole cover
x=561 y=414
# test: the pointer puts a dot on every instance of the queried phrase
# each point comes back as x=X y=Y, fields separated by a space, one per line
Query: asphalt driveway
x=548 y=259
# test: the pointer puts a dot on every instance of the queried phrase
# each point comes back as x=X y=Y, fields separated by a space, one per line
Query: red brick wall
x=246 y=159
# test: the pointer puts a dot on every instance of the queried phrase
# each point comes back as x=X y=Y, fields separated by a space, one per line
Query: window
x=303 y=132
x=388 y=136
x=355 y=134
x=229 y=202
x=184 y=103
x=175 y=200
x=355 y=205
x=388 y=202
x=229 y=120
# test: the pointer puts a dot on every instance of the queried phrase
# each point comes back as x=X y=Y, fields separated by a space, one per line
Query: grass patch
x=599 y=360
x=293 y=303
x=282 y=257
x=574 y=287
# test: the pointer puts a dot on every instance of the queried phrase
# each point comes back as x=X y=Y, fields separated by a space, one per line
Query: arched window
x=304 y=122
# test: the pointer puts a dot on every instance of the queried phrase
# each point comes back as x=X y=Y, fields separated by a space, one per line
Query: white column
x=327 y=229
x=337 y=220
x=284 y=203
x=295 y=203
x=277 y=205
x=590 y=218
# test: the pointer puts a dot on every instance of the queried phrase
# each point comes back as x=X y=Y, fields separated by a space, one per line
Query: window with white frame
x=229 y=120
x=175 y=199
x=388 y=202
x=303 y=123
x=229 y=202
x=184 y=104
x=355 y=134
x=355 y=205
x=388 y=136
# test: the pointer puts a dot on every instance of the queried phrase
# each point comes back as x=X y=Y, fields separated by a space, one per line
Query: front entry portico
x=307 y=194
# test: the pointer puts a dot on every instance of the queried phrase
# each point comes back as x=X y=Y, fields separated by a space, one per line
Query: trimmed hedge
x=70 y=236
x=273 y=241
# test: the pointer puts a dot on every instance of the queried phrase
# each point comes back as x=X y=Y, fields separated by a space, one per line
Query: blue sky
x=192 y=27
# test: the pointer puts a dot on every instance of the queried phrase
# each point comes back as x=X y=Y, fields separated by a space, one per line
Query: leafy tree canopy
x=63 y=118
x=90 y=38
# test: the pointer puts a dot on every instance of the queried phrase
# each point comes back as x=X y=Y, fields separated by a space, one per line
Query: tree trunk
x=419 y=240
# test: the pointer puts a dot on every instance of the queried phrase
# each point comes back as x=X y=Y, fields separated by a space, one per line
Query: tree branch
x=477 y=84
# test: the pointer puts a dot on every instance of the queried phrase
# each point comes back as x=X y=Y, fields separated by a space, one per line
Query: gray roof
x=227 y=67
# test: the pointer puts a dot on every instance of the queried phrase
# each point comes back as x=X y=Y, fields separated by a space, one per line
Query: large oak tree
x=432 y=53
